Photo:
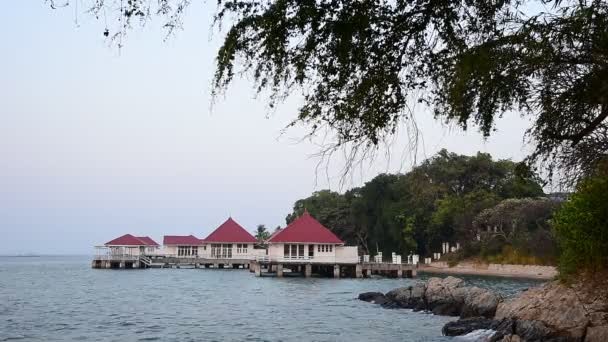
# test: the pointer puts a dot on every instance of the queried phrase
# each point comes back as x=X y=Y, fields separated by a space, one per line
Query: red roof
x=189 y=240
x=276 y=231
x=147 y=240
x=230 y=231
x=305 y=229
x=130 y=240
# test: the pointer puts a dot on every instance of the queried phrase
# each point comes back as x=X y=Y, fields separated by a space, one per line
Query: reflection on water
x=62 y=298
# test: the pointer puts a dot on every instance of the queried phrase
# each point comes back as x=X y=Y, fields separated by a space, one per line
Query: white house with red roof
x=183 y=246
x=130 y=245
x=230 y=241
x=307 y=240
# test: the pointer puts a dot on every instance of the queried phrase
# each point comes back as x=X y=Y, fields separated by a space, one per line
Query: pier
x=157 y=261
x=304 y=248
x=336 y=269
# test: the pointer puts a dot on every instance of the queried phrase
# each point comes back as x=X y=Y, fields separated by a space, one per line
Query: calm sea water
x=63 y=299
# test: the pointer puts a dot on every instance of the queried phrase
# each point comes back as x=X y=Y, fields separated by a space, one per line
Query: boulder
x=532 y=330
x=411 y=297
x=597 y=334
x=374 y=297
x=440 y=296
x=467 y=325
x=447 y=297
x=556 y=305
x=478 y=302
x=440 y=290
x=511 y=338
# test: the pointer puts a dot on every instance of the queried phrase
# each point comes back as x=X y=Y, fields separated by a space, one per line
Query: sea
x=61 y=298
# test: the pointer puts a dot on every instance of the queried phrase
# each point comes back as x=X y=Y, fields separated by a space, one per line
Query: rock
x=597 y=334
x=374 y=297
x=467 y=325
x=478 y=302
x=411 y=297
x=532 y=330
x=553 y=312
x=446 y=297
x=556 y=305
x=511 y=338
x=440 y=296
x=440 y=290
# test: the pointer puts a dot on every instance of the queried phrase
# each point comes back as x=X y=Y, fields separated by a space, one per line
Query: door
x=311 y=251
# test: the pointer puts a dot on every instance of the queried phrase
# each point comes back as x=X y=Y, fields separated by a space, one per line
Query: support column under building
x=279 y=270
x=336 y=271
x=307 y=270
x=359 y=271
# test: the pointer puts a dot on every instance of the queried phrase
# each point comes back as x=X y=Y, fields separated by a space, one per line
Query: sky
x=97 y=141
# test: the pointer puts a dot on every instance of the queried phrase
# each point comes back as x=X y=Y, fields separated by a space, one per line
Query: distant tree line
x=485 y=205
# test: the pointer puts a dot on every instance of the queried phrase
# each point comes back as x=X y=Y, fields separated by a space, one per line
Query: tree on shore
x=581 y=226
x=261 y=233
x=415 y=212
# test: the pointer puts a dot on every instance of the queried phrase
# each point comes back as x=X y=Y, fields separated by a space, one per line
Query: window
x=286 y=250
x=216 y=250
x=331 y=247
x=241 y=248
x=186 y=250
x=294 y=251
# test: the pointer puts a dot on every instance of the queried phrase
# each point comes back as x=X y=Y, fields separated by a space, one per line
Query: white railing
x=145 y=260
x=308 y=259
x=117 y=257
x=207 y=256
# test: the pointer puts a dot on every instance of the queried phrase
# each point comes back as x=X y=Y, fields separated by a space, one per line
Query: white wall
x=170 y=250
x=124 y=250
x=347 y=254
x=337 y=253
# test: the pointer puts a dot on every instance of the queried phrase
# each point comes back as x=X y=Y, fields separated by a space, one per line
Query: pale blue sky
x=95 y=143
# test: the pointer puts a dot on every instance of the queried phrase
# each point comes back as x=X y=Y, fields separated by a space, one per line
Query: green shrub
x=581 y=228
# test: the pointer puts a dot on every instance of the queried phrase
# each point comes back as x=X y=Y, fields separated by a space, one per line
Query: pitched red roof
x=189 y=240
x=147 y=240
x=129 y=240
x=276 y=231
x=230 y=231
x=305 y=229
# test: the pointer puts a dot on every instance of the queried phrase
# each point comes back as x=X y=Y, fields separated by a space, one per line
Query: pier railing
x=207 y=256
x=117 y=257
x=308 y=259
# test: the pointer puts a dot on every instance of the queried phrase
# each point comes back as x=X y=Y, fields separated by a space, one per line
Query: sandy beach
x=498 y=270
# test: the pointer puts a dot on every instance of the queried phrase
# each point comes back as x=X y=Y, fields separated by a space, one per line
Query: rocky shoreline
x=551 y=312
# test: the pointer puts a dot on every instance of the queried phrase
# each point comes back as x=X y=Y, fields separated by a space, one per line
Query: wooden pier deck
x=261 y=267
x=280 y=268
x=135 y=262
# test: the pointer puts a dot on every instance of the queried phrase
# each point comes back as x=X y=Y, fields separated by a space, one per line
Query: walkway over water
x=337 y=269
x=263 y=266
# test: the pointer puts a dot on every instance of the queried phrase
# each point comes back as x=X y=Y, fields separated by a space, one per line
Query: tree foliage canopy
x=417 y=211
x=361 y=65
x=581 y=226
